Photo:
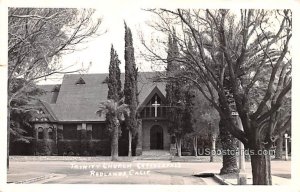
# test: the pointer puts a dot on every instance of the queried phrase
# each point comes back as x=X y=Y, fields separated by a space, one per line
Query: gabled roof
x=80 y=102
x=154 y=91
x=49 y=110
x=48 y=113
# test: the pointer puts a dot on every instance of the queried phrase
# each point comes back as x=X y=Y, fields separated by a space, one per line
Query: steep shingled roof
x=48 y=92
x=79 y=102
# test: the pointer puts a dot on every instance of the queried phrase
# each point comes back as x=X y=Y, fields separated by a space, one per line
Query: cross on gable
x=155 y=104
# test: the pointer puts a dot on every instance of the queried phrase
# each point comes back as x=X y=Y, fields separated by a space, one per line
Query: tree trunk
x=195 y=145
x=138 y=150
x=115 y=143
x=228 y=143
x=261 y=169
x=8 y=136
x=129 y=143
x=247 y=157
x=178 y=143
x=213 y=149
x=278 y=151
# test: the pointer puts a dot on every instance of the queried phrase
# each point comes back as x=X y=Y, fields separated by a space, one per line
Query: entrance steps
x=155 y=155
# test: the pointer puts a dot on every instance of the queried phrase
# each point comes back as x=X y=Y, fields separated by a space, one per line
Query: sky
x=96 y=54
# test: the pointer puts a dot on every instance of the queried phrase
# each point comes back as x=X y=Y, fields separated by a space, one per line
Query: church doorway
x=156 y=137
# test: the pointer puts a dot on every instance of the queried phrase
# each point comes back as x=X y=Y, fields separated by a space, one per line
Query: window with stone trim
x=40 y=133
x=70 y=131
x=50 y=133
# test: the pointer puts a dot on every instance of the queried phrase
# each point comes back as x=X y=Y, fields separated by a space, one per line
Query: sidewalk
x=232 y=180
x=280 y=170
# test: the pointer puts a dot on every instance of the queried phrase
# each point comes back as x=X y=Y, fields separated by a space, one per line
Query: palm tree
x=114 y=111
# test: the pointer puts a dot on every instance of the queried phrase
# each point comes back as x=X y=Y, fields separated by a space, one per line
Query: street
x=139 y=172
x=135 y=172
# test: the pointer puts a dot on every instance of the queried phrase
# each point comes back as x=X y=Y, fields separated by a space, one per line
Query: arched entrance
x=156 y=137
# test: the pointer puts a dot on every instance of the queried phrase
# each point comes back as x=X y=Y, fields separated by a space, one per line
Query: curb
x=221 y=180
x=214 y=176
x=192 y=161
x=32 y=180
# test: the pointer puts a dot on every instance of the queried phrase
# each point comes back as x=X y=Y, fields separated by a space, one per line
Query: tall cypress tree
x=178 y=116
x=130 y=87
x=169 y=84
x=114 y=93
x=114 y=80
x=170 y=93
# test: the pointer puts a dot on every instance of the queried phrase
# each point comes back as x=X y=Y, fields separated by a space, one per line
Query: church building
x=67 y=123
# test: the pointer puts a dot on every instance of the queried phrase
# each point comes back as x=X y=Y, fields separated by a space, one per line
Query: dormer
x=80 y=81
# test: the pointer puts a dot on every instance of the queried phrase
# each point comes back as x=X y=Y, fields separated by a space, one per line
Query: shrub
x=85 y=153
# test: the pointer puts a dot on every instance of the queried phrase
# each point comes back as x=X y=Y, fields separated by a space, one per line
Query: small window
x=40 y=111
x=44 y=119
x=70 y=131
x=50 y=133
x=98 y=131
x=40 y=133
x=80 y=81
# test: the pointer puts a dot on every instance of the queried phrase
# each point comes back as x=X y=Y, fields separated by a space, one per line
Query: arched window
x=40 y=133
x=50 y=132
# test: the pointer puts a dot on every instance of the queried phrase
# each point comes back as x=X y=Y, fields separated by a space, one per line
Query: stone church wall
x=47 y=144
